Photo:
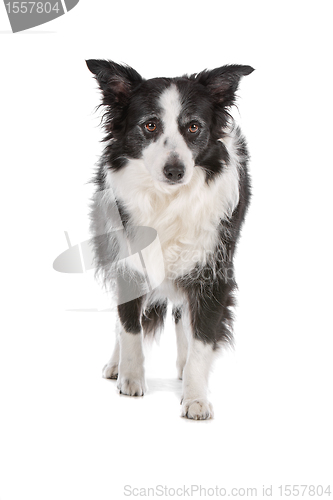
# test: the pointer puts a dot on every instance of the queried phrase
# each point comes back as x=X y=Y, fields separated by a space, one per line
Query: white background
x=65 y=433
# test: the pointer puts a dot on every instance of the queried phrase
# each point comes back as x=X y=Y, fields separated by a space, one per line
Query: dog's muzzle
x=174 y=171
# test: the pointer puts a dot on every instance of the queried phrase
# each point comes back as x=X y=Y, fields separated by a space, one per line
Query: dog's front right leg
x=131 y=374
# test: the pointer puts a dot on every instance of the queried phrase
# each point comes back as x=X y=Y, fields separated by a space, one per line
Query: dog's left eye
x=193 y=128
x=151 y=126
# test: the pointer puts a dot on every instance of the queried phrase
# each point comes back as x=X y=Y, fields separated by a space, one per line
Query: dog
x=174 y=171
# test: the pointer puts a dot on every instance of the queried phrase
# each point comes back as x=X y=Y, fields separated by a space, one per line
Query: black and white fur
x=174 y=161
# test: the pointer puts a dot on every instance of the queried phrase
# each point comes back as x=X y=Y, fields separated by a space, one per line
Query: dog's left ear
x=223 y=82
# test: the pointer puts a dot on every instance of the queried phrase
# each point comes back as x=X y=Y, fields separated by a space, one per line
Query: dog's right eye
x=150 y=126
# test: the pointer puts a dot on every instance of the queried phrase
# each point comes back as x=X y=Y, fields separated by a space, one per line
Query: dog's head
x=172 y=124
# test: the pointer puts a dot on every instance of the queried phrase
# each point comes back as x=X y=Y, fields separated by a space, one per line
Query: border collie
x=174 y=172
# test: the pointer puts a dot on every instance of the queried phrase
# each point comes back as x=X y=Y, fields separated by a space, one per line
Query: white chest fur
x=186 y=217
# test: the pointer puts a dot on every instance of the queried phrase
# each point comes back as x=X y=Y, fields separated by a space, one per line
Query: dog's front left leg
x=131 y=375
x=200 y=357
x=195 y=404
x=110 y=370
x=208 y=325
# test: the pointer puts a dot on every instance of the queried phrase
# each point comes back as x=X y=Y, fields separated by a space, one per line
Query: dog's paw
x=131 y=386
x=110 y=370
x=197 y=409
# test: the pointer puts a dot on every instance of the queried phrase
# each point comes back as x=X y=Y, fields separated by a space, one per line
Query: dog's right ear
x=115 y=81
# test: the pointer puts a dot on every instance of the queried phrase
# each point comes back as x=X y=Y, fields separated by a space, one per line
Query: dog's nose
x=174 y=171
